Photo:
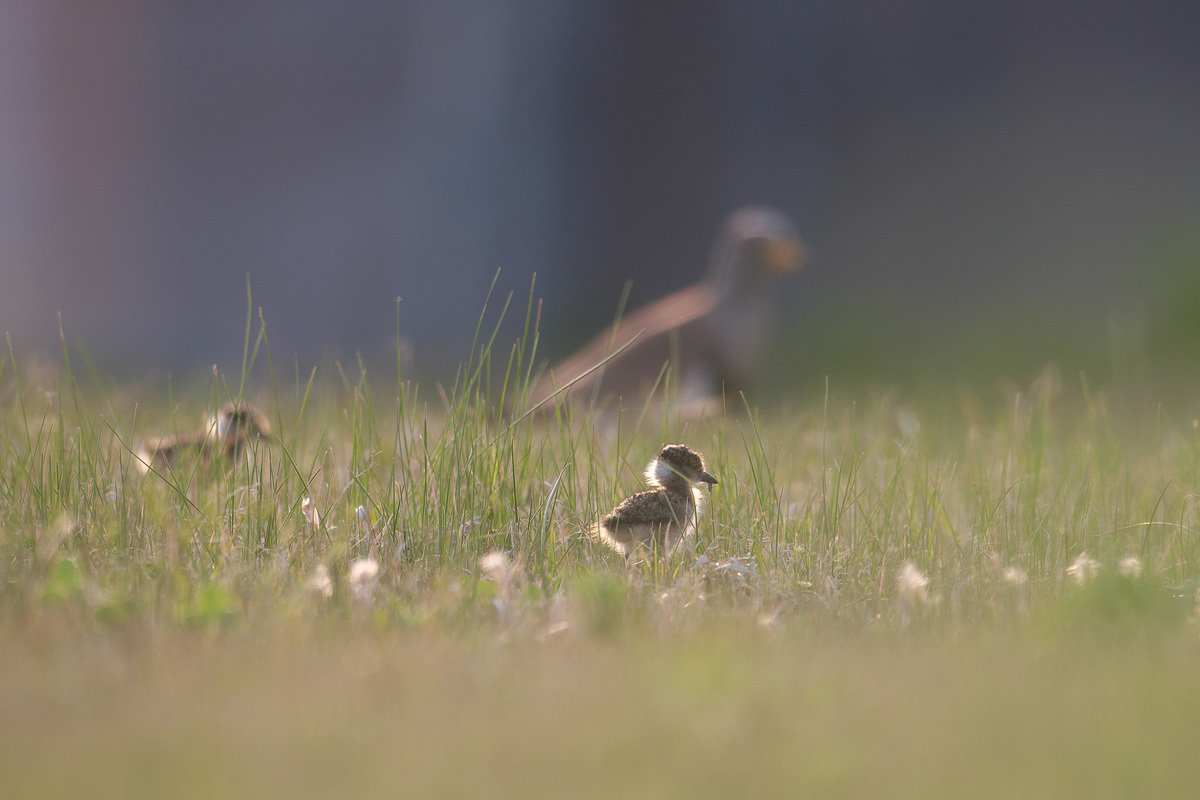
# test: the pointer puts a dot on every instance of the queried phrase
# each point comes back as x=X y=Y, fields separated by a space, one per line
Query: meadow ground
x=961 y=595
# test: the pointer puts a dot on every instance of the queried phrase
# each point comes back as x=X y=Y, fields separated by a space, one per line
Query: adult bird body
x=714 y=330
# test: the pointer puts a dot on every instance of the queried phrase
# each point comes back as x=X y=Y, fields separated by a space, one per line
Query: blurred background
x=1005 y=183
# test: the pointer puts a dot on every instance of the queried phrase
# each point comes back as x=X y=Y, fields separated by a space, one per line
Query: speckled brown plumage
x=661 y=517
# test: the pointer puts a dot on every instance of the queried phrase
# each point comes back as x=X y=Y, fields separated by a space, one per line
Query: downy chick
x=659 y=518
x=223 y=437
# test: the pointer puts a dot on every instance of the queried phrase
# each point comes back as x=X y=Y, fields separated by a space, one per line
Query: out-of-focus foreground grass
x=971 y=597
x=722 y=712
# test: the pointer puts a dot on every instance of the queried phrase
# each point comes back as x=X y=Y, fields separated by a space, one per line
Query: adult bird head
x=755 y=245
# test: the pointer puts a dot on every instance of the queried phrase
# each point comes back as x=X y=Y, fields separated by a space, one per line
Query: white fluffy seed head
x=1130 y=567
x=912 y=584
x=1015 y=576
x=1083 y=568
x=497 y=567
x=362 y=577
x=321 y=584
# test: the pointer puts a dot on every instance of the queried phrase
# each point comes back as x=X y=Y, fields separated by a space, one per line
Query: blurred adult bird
x=713 y=331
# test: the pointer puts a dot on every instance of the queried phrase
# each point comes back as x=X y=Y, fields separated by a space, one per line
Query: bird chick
x=661 y=517
x=714 y=331
x=222 y=438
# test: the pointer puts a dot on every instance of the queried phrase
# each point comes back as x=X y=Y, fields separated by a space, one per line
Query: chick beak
x=709 y=479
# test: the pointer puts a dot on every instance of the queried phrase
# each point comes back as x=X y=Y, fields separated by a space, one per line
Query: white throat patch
x=658 y=472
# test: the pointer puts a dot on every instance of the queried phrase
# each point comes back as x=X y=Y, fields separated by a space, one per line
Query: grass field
x=971 y=594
